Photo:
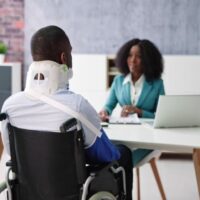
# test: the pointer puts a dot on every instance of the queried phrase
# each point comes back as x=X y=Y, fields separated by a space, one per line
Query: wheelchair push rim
x=103 y=195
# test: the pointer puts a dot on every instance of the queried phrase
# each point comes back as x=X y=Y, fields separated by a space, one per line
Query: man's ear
x=63 y=58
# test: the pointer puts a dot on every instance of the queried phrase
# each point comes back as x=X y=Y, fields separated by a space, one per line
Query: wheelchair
x=51 y=166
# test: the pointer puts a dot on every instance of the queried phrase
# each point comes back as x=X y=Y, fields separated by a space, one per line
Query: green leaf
x=3 y=48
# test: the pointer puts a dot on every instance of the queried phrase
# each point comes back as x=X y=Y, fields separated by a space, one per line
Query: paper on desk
x=131 y=119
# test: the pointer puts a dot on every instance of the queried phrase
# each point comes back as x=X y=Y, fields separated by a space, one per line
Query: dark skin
x=51 y=43
x=135 y=68
x=65 y=57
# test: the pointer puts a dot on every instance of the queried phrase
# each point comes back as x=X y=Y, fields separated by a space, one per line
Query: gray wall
x=101 y=26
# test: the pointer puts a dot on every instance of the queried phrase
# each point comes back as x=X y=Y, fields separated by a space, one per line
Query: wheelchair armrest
x=9 y=163
x=66 y=126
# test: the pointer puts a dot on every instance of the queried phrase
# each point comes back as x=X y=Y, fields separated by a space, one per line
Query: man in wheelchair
x=45 y=105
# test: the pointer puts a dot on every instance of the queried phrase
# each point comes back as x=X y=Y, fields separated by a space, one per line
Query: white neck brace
x=56 y=76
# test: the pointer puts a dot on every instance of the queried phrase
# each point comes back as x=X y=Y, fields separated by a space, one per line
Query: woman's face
x=134 y=60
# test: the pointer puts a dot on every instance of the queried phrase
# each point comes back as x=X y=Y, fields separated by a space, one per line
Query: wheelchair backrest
x=48 y=165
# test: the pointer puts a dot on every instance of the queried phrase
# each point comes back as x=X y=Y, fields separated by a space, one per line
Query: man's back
x=29 y=113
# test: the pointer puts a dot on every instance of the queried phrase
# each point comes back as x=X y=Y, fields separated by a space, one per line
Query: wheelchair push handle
x=66 y=126
x=3 y=116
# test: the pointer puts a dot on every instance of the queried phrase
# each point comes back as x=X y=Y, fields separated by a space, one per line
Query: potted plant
x=3 y=51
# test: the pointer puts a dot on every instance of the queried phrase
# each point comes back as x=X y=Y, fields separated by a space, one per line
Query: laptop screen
x=177 y=111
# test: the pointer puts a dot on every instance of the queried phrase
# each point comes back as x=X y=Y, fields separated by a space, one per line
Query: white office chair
x=151 y=159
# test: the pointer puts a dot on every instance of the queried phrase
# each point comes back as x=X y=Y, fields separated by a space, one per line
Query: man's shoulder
x=13 y=99
x=71 y=98
x=81 y=104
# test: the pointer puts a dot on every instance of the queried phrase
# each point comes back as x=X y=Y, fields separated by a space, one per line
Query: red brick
x=11 y=28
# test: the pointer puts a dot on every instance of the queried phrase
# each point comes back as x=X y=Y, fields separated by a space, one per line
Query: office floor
x=178 y=178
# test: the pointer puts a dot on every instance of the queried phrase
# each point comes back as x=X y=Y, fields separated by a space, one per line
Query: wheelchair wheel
x=102 y=196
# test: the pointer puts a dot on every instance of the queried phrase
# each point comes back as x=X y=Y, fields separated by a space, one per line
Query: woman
x=138 y=87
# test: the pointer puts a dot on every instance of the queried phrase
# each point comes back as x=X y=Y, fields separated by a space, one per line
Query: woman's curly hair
x=151 y=58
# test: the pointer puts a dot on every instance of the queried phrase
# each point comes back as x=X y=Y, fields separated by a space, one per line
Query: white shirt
x=32 y=114
x=135 y=89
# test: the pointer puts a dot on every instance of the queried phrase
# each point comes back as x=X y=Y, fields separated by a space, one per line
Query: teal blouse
x=148 y=99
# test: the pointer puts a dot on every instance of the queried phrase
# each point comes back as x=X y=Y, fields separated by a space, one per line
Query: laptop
x=177 y=111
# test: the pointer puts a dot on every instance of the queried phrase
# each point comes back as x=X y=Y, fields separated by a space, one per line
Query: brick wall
x=12 y=28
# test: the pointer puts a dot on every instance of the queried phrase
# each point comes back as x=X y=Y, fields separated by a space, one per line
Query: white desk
x=172 y=139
